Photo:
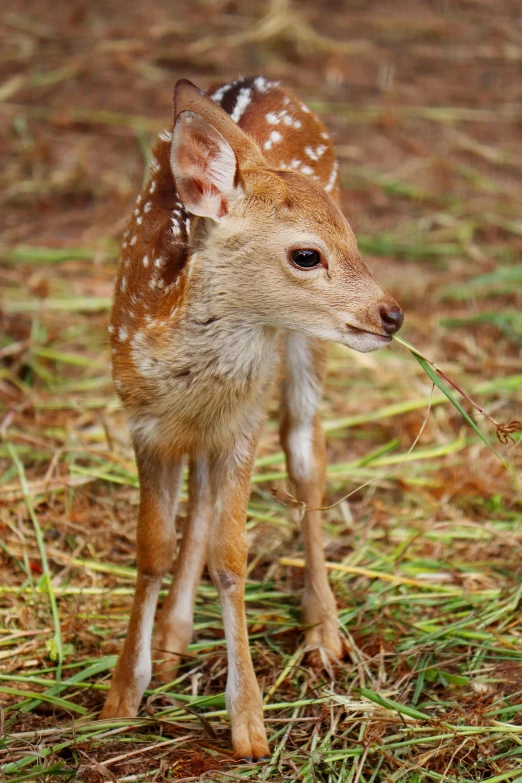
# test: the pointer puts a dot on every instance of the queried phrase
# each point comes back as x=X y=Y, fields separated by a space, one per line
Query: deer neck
x=234 y=345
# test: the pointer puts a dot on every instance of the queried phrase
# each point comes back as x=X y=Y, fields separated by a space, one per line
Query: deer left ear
x=204 y=167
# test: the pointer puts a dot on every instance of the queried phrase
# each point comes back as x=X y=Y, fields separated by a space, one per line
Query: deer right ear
x=204 y=166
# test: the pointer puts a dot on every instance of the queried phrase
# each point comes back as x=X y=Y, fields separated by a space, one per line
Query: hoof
x=118 y=707
x=249 y=737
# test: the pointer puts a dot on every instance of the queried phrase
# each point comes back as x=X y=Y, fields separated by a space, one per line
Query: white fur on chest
x=203 y=382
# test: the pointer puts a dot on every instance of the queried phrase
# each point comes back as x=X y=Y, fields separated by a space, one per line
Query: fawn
x=237 y=258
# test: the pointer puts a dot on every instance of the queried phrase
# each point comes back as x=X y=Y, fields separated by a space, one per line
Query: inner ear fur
x=204 y=167
x=188 y=97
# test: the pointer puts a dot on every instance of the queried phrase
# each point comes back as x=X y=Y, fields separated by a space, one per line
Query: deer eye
x=306 y=259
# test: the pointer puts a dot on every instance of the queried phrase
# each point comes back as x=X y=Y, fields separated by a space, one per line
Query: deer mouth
x=384 y=338
x=365 y=340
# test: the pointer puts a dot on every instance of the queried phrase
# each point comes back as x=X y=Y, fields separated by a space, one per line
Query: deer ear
x=204 y=167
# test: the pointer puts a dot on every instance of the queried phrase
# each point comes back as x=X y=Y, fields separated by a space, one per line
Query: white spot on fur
x=175 y=229
x=139 y=220
x=148 y=206
x=261 y=84
x=152 y=186
x=124 y=244
x=138 y=200
x=123 y=283
x=333 y=177
x=133 y=240
x=284 y=117
x=274 y=138
x=145 y=261
x=305 y=108
x=325 y=136
x=306 y=170
x=317 y=153
x=220 y=93
x=110 y=328
x=243 y=99
x=122 y=333
x=159 y=262
x=154 y=165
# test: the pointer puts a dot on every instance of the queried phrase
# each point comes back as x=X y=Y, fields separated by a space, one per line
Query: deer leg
x=156 y=545
x=175 y=620
x=226 y=557
x=302 y=439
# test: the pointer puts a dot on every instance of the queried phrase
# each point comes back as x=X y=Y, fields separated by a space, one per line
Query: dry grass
x=424 y=103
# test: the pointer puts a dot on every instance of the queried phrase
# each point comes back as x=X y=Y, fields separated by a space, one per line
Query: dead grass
x=424 y=102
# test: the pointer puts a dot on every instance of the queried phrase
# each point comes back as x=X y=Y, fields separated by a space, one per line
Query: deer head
x=271 y=246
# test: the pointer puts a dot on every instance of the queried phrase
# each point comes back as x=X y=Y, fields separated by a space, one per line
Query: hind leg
x=175 y=620
x=302 y=439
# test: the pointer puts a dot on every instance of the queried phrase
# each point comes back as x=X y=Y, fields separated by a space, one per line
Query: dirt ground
x=424 y=102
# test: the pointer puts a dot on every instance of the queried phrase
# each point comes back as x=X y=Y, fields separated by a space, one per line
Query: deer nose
x=392 y=318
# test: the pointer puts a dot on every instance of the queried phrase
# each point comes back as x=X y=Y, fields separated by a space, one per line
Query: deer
x=237 y=268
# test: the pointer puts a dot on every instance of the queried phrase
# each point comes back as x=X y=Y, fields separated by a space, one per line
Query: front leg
x=303 y=441
x=156 y=546
x=176 y=619
x=226 y=557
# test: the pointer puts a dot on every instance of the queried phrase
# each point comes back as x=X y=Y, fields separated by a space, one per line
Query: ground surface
x=424 y=102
